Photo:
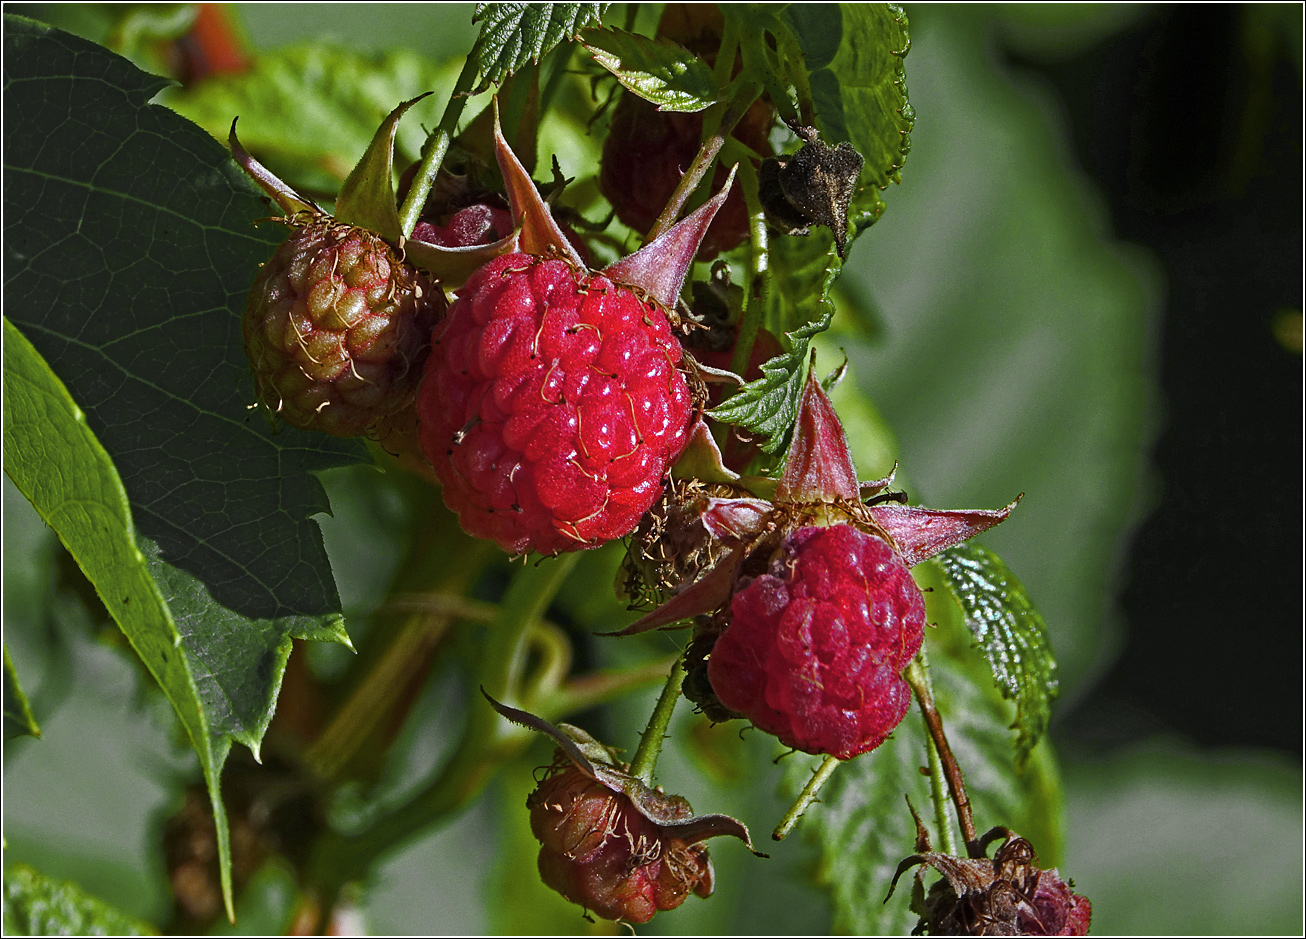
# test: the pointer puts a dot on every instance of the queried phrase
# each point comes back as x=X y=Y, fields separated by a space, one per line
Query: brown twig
x=919 y=679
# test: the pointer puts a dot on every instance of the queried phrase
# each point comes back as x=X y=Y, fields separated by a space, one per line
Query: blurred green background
x=1087 y=288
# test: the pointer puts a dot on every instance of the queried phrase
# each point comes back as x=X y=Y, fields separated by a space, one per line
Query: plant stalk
x=917 y=675
x=650 y=742
x=757 y=293
x=939 y=795
x=806 y=797
x=484 y=743
x=725 y=115
x=436 y=146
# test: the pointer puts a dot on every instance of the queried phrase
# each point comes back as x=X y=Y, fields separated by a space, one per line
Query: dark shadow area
x=1190 y=122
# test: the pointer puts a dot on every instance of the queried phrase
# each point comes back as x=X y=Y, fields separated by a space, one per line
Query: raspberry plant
x=129 y=426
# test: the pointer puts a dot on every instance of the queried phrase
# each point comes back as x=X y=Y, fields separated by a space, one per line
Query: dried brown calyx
x=1008 y=895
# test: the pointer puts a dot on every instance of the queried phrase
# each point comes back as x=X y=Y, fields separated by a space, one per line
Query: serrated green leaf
x=658 y=70
x=862 y=823
x=129 y=247
x=308 y=112
x=769 y=405
x=854 y=53
x=1010 y=632
x=19 y=721
x=36 y=905
x=514 y=34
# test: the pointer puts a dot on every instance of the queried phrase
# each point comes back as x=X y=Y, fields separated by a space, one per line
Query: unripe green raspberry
x=337 y=329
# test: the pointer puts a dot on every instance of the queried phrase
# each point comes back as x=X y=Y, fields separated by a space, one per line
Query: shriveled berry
x=1006 y=896
x=553 y=405
x=815 y=646
x=599 y=850
x=337 y=328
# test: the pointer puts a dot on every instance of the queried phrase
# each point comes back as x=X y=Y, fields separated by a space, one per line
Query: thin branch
x=918 y=677
x=806 y=797
x=650 y=742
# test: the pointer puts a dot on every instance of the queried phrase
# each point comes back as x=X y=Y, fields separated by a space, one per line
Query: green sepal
x=367 y=199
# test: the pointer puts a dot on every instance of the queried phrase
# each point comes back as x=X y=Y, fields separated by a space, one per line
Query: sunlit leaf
x=1009 y=631
x=658 y=70
x=514 y=34
x=769 y=405
x=36 y=905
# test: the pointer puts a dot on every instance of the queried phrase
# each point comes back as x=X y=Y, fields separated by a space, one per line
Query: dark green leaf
x=854 y=53
x=36 y=905
x=769 y=405
x=513 y=34
x=129 y=248
x=18 y=713
x=862 y=823
x=308 y=113
x=658 y=70
x=1009 y=631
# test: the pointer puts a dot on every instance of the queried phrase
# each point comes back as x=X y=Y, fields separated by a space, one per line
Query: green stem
x=759 y=279
x=587 y=691
x=806 y=797
x=436 y=146
x=485 y=742
x=650 y=743
x=939 y=795
x=727 y=52
x=718 y=121
x=918 y=676
x=376 y=695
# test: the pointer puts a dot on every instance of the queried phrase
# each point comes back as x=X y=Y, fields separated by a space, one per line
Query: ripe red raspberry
x=599 y=850
x=553 y=405
x=337 y=328
x=815 y=646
